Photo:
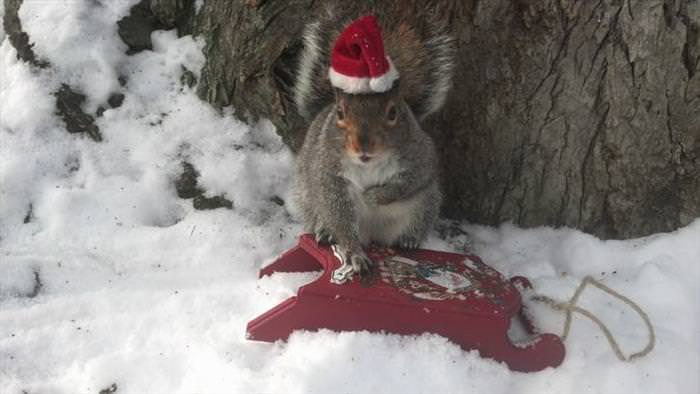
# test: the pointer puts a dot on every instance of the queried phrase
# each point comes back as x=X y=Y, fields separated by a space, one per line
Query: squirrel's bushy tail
x=424 y=58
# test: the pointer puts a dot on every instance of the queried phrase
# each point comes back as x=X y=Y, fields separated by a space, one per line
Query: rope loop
x=570 y=307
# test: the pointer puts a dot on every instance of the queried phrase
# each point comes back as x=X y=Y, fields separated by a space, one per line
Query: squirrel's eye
x=391 y=114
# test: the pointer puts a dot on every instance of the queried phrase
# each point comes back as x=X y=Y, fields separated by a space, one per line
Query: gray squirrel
x=367 y=172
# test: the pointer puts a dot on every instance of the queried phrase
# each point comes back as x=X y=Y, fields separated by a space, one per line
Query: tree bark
x=565 y=113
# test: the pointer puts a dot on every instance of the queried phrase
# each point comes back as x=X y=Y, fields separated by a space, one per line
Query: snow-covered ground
x=140 y=290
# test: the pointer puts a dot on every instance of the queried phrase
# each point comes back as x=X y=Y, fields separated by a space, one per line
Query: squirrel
x=367 y=172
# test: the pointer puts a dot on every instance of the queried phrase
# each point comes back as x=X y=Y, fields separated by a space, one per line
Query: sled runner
x=413 y=292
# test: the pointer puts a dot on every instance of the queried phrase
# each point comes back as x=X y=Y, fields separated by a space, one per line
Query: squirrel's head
x=370 y=124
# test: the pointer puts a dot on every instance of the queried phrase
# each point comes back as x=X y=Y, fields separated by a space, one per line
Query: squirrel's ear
x=340 y=104
x=391 y=114
x=396 y=87
x=340 y=98
x=337 y=94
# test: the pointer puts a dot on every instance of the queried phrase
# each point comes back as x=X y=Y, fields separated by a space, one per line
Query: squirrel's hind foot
x=407 y=242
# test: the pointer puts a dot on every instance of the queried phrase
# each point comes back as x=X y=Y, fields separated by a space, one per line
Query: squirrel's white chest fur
x=375 y=172
x=377 y=223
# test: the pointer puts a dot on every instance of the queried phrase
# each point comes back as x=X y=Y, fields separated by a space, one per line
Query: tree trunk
x=563 y=112
x=575 y=113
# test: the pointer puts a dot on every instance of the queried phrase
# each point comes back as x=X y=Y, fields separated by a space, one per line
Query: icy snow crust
x=139 y=289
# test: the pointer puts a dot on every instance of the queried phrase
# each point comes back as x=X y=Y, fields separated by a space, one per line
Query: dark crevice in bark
x=605 y=41
x=629 y=9
x=677 y=156
x=149 y=15
x=691 y=53
x=587 y=159
x=135 y=29
x=626 y=51
x=594 y=12
x=284 y=73
x=564 y=202
x=555 y=61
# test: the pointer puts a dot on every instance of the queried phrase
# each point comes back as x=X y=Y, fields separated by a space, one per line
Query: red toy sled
x=414 y=292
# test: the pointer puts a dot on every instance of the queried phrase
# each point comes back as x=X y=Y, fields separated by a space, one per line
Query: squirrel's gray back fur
x=424 y=58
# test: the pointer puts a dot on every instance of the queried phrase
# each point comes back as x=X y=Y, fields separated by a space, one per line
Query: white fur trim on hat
x=354 y=85
x=386 y=81
x=348 y=84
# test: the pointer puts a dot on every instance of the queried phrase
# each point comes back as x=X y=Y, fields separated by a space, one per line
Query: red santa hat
x=358 y=61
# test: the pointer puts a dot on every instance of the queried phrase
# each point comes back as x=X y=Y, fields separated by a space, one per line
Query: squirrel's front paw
x=362 y=265
x=351 y=263
x=324 y=237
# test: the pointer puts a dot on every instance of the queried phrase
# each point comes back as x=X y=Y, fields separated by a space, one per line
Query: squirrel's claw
x=324 y=237
x=351 y=263
x=362 y=265
x=407 y=242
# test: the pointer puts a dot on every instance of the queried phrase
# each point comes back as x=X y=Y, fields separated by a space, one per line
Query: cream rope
x=570 y=307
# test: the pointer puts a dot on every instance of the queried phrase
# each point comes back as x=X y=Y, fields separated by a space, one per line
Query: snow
x=79 y=38
x=198 y=4
x=139 y=289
